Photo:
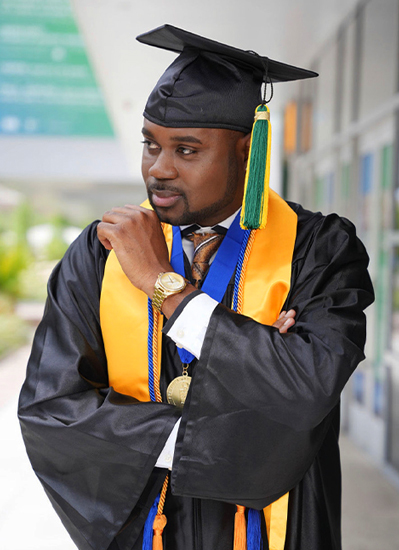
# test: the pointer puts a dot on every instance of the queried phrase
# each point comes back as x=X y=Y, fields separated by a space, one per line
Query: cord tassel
x=256 y=190
x=240 y=529
x=148 y=526
x=159 y=525
x=254 y=533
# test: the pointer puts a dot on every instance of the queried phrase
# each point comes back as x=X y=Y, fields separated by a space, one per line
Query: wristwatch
x=167 y=284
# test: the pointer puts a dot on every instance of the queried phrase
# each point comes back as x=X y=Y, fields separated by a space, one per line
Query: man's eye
x=186 y=151
x=150 y=145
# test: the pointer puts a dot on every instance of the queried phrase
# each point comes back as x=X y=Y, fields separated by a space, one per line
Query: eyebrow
x=185 y=139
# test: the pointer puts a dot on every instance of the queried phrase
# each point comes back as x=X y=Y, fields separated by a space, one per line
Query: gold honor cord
x=160 y=519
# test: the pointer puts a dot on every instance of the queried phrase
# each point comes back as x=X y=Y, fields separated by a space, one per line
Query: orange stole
x=124 y=318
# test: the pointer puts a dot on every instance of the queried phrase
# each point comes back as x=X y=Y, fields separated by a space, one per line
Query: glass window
x=394 y=381
x=324 y=116
x=345 y=188
x=290 y=127
x=319 y=193
x=395 y=303
x=306 y=126
x=386 y=186
x=365 y=198
x=307 y=93
x=382 y=326
x=325 y=192
x=394 y=419
x=330 y=184
x=348 y=38
x=379 y=54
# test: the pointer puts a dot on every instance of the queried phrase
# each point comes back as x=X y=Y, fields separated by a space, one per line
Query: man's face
x=193 y=175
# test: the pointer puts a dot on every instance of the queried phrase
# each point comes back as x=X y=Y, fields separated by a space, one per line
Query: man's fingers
x=285 y=321
x=101 y=234
x=118 y=212
x=291 y=313
x=288 y=323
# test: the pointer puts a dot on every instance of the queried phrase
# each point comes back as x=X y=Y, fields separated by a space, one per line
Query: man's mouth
x=163 y=198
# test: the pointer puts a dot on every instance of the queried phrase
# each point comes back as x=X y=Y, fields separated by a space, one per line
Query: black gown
x=261 y=417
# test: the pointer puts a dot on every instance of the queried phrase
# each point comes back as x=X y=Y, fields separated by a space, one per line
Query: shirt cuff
x=189 y=328
x=165 y=459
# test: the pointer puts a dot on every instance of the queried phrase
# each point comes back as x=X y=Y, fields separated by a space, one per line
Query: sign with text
x=47 y=86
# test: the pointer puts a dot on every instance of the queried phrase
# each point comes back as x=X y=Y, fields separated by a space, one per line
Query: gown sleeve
x=261 y=402
x=93 y=450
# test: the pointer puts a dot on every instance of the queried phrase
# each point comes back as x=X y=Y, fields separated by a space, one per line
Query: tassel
x=148 y=526
x=159 y=525
x=240 y=530
x=256 y=190
x=254 y=533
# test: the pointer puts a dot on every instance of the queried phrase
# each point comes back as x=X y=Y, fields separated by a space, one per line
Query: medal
x=177 y=390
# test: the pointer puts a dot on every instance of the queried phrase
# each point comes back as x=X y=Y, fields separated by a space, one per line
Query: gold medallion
x=177 y=390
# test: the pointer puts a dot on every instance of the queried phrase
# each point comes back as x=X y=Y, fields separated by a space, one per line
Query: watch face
x=172 y=281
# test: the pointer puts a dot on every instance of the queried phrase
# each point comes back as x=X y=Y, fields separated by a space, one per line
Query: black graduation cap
x=210 y=85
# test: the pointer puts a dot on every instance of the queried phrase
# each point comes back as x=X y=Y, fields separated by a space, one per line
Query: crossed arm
x=136 y=236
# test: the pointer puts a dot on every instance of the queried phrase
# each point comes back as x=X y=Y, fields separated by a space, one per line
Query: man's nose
x=164 y=167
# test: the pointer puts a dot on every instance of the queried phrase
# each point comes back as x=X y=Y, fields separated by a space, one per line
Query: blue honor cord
x=229 y=254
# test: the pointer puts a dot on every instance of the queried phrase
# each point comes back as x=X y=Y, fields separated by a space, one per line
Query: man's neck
x=225 y=223
x=188 y=245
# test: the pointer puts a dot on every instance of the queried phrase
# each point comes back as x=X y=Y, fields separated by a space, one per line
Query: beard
x=189 y=216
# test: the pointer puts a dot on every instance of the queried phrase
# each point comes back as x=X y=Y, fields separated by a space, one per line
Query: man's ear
x=243 y=148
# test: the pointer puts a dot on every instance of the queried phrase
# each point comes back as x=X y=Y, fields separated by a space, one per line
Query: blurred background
x=73 y=84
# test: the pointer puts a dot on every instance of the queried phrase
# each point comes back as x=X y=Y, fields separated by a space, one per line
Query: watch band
x=158 y=299
x=167 y=284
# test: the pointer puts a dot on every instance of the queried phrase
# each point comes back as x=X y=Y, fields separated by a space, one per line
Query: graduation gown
x=261 y=417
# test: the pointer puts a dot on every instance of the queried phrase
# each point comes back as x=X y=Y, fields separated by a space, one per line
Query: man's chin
x=165 y=216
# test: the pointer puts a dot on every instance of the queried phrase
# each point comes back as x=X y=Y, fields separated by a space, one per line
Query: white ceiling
x=287 y=30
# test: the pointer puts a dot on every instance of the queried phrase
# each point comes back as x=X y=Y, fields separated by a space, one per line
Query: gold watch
x=167 y=284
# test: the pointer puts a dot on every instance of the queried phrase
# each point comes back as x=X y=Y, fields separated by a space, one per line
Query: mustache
x=161 y=186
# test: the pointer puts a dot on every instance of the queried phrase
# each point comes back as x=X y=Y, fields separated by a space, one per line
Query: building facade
x=341 y=150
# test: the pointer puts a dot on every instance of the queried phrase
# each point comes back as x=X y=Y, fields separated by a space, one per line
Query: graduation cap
x=213 y=85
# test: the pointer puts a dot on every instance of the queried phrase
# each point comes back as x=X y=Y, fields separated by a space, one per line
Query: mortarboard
x=213 y=85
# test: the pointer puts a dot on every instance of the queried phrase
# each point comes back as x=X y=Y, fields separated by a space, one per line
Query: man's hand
x=136 y=236
x=285 y=321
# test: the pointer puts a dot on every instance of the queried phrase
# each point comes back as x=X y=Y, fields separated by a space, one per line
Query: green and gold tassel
x=256 y=190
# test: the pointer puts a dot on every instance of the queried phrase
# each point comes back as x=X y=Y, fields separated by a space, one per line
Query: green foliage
x=19 y=265
x=33 y=281
x=13 y=260
x=22 y=221
x=15 y=255
x=13 y=331
x=23 y=270
x=6 y=304
x=56 y=247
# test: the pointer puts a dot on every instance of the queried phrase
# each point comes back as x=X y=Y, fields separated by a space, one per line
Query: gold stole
x=124 y=319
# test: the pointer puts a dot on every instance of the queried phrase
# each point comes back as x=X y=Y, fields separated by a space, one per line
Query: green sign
x=47 y=86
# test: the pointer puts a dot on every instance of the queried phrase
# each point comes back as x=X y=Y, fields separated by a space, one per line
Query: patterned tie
x=205 y=245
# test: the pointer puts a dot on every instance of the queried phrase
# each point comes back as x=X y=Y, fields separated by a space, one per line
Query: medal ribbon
x=220 y=271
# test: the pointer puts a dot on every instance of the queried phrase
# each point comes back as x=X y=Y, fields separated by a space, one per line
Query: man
x=254 y=353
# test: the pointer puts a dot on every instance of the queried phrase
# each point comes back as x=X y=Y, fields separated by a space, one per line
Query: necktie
x=205 y=245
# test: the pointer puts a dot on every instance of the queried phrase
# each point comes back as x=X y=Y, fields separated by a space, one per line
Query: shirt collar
x=198 y=229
